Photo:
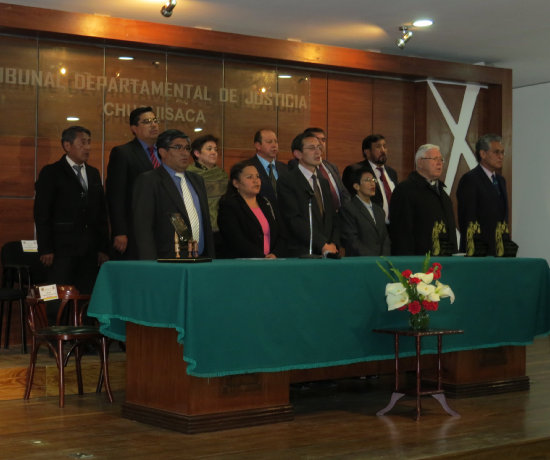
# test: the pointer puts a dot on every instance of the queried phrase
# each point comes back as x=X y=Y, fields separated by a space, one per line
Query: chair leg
x=105 y=366
x=78 y=357
x=8 y=324
x=61 y=369
x=30 y=370
x=23 y=328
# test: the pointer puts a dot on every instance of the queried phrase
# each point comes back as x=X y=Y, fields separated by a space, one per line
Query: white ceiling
x=500 y=33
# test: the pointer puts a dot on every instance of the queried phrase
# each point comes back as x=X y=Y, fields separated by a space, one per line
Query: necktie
x=387 y=188
x=317 y=193
x=495 y=183
x=154 y=159
x=272 y=178
x=78 y=169
x=335 y=197
x=190 y=207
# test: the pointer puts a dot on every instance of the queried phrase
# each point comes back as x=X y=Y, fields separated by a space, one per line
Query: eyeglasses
x=314 y=147
x=436 y=159
x=148 y=121
x=369 y=179
x=179 y=147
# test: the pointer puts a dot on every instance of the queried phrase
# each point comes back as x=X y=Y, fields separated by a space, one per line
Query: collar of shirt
x=367 y=205
x=83 y=170
x=307 y=174
x=146 y=148
x=489 y=173
x=175 y=178
x=266 y=164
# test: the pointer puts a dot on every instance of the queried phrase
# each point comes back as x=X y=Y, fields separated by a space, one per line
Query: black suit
x=415 y=207
x=241 y=231
x=347 y=179
x=126 y=163
x=295 y=194
x=479 y=200
x=71 y=223
x=333 y=170
x=267 y=189
x=361 y=234
x=155 y=197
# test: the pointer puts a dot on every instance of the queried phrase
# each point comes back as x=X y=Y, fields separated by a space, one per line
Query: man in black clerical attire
x=375 y=152
x=481 y=192
x=418 y=203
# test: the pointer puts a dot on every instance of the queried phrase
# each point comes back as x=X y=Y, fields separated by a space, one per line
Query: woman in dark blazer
x=250 y=226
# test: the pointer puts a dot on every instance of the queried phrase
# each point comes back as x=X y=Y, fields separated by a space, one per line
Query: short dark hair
x=314 y=130
x=258 y=135
x=199 y=142
x=136 y=113
x=69 y=134
x=369 y=140
x=235 y=174
x=484 y=143
x=166 y=137
x=357 y=174
x=298 y=141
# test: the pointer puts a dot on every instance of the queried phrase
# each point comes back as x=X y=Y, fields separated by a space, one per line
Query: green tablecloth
x=240 y=316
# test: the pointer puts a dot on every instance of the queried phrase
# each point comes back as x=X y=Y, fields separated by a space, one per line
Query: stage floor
x=332 y=420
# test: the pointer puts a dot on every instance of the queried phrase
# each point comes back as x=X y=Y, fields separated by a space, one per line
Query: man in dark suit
x=481 y=192
x=364 y=230
x=265 y=160
x=328 y=170
x=418 y=203
x=167 y=190
x=126 y=162
x=71 y=216
x=375 y=153
x=302 y=190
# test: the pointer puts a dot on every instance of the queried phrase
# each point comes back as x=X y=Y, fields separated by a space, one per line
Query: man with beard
x=418 y=203
x=126 y=163
x=375 y=153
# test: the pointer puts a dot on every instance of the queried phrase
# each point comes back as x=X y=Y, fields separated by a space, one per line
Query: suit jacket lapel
x=173 y=193
x=140 y=155
x=365 y=212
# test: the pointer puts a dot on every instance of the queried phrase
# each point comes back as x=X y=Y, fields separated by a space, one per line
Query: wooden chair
x=59 y=337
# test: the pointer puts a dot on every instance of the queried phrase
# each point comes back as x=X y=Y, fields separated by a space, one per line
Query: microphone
x=310 y=255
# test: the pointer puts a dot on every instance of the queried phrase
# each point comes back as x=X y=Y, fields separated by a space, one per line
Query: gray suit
x=361 y=234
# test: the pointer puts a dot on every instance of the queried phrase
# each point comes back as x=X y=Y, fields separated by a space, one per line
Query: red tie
x=335 y=198
x=387 y=188
x=154 y=159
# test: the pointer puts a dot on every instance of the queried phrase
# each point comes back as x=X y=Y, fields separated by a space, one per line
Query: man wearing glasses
x=481 y=192
x=167 y=190
x=418 y=203
x=306 y=203
x=126 y=163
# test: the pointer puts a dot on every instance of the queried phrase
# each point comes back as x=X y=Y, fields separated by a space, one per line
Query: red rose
x=407 y=273
x=414 y=280
x=414 y=307
x=437 y=270
x=403 y=308
x=430 y=306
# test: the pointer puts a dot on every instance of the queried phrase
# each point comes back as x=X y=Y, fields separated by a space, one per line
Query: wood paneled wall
x=351 y=94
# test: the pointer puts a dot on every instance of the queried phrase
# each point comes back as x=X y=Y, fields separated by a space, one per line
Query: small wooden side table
x=438 y=393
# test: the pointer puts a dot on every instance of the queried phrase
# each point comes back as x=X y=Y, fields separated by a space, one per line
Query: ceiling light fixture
x=125 y=58
x=167 y=8
x=423 y=23
x=406 y=35
x=72 y=118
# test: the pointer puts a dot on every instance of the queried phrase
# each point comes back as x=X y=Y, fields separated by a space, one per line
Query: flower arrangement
x=415 y=292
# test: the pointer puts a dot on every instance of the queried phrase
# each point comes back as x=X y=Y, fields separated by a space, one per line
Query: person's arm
x=43 y=214
x=116 y=187
x=235 y=231
x=401 y=223
x=144 y=218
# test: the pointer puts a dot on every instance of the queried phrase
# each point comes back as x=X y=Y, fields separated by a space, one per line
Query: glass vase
x=420 y=321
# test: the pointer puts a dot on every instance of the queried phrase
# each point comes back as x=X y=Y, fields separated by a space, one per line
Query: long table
x=250 y=322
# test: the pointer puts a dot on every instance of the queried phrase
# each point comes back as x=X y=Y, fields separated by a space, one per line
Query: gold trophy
x=184 y=245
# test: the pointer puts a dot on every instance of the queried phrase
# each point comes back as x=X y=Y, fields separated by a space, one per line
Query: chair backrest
x=12 y=254
x=71 y=309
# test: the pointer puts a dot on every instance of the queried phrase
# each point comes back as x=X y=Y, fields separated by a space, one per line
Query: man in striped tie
x=126 y=162
x=167 y=190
